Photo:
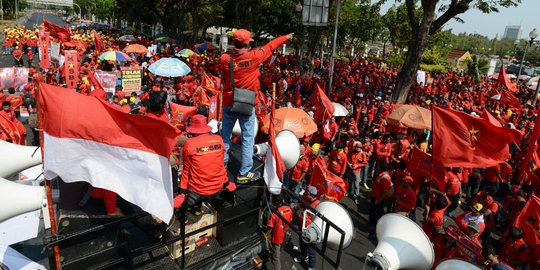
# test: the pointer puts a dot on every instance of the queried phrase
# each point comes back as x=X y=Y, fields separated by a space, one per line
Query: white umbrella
x=339 y=110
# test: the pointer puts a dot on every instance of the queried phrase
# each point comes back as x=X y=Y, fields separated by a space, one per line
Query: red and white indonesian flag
x=87 y=139
x=273 y=166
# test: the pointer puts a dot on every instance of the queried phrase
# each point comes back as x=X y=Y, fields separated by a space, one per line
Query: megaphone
x=15 y=158
x=17 y=198
x=402 y=245
x=450 y=264
x=288 y=146
x=314 y=233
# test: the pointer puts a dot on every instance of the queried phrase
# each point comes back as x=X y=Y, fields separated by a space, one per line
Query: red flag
x=180 y=113
x=461 y=140
x=532 y=149
x=44 y=43
x=508 y=98
x=61 y=33
x=122 y=155
x=297 y=98
x=505 y=81
x=211 y=83
x=332 y=186
x=528 y=220
x=11 y=131
x=420 y=165
x=274 y=165
x=71 y=66
x=98 y=42
x=486 y=115
x=324 y=108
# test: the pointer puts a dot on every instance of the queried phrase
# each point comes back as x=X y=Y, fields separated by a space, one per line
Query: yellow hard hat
x=315 y=147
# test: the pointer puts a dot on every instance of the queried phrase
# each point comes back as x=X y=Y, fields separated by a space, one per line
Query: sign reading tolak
x=64 y=3
x=131 y=78
x=315 y=12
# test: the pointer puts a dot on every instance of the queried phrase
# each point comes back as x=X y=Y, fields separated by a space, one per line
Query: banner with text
x=44 y=43
x=71 y=66
x=15 y=77
x=107 y=79
x=131 y=78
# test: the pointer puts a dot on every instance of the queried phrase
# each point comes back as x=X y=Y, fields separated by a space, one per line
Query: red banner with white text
x=71 y=66
x=44 y=43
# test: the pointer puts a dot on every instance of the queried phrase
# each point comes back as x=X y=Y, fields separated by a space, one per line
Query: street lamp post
x=532 y=35
x=338 y=3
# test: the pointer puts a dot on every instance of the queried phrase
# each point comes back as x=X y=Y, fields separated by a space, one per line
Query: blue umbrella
x=169 y=67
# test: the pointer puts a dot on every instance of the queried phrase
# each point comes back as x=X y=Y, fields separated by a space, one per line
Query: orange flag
x=180 y=113
x=211 y=83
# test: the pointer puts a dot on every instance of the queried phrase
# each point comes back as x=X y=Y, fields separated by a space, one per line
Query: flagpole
x=432 y=155
x=56 y=248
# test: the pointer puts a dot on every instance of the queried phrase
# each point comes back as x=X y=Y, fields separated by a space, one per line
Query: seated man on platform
x=203 y=172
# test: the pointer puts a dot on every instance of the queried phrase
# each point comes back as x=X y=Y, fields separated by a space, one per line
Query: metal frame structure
x=183 y=235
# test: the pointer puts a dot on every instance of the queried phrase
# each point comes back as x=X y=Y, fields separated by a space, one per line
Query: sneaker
x=300 y=259
x=365 y=186
x=250 y=176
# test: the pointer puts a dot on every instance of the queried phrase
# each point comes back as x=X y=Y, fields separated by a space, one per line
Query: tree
x=428 y=24
x=477 y=67
x=399 y=30
x=359 y=22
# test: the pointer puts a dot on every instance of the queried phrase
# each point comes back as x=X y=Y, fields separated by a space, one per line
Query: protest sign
x=15 y=77
x=131 y=78
x=107 y=79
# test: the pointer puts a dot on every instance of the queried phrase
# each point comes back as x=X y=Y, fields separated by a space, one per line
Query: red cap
x=408 y=179
x=198 y=125
x=243 y=36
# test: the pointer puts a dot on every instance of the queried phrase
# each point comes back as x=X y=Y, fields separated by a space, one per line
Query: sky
x=527 y=14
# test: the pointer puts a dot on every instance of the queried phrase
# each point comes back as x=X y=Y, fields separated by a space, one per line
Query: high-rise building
x=513 y=32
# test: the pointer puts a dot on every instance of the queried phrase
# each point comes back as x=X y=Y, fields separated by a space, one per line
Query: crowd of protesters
x=361 y=148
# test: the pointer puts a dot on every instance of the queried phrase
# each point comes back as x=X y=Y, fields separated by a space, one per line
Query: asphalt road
x=33 y=19
x=352 y=257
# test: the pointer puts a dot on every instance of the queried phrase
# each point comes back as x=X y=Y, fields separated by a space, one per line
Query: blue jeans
x=307 y=251
x=247 y=124
x=366 y=173
x=356 y=184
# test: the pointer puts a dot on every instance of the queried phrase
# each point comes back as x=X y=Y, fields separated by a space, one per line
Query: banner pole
x=56 y=248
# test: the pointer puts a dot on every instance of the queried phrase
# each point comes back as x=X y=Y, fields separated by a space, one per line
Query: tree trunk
x=416 y=48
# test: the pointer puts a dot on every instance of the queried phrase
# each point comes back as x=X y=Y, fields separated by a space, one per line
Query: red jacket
x=246 y=68
x=278 y=226
x=204 y=170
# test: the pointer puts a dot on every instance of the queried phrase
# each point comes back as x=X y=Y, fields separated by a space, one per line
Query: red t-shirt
x=301 y=167
x=383 y=183
x=337 y=163
x=491 y=173
x=204 y=170
x=278 y=226
x=453 y=184
x=435 y=219
x=405 y=199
